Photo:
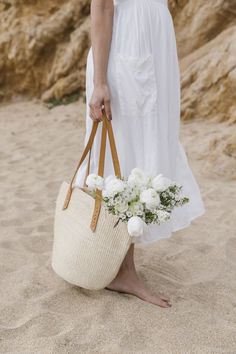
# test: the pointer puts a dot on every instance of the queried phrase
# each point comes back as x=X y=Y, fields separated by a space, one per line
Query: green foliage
x=54 y=102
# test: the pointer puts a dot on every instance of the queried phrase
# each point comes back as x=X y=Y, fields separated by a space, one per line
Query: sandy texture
x=42 y=314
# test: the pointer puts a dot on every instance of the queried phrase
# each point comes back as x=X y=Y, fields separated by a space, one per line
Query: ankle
x=127 y=268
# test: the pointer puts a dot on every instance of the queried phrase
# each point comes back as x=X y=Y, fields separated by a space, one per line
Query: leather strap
x=101 y=165
x=86 y=150
x=88 y=167
x=114 y=154
x=106 y=128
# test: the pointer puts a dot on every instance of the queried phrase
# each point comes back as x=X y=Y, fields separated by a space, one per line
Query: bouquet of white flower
x=139 y=200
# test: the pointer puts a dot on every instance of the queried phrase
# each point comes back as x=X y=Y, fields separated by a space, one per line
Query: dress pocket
x=136 y=84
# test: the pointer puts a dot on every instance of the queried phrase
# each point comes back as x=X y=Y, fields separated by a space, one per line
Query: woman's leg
x=127 y=281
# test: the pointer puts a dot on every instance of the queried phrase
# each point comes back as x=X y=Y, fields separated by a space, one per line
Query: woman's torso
x=137 y=26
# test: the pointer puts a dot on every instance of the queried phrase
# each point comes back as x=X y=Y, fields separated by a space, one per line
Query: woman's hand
x=100 y=100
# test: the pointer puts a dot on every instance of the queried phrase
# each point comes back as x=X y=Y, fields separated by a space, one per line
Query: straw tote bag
x=87 y=249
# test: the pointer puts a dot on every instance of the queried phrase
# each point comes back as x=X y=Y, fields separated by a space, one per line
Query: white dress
x=143 y=76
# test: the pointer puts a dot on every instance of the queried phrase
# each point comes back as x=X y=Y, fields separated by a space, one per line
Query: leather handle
x=106 y=129
x=114 y=153
x=101 y=165
x=85 y=153
x=88 y=167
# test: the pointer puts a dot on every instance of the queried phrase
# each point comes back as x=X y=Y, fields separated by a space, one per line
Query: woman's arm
x=101 y=34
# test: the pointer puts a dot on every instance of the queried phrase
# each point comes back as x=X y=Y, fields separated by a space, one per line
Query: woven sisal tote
x=87 y=249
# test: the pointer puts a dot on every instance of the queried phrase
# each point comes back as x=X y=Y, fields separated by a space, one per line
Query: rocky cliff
x=44 y=46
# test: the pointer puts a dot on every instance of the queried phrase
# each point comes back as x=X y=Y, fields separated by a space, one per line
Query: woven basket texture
x=84 y=258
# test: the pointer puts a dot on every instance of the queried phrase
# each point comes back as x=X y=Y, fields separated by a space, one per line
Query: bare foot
x=128 y=282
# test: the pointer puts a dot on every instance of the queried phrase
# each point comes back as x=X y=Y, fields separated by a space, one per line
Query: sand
x=42 y=314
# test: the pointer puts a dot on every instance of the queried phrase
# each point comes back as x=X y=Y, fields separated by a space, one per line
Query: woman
x=133 y=73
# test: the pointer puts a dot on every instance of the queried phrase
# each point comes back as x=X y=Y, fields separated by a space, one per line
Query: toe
x=164 y=298
x=165 y=304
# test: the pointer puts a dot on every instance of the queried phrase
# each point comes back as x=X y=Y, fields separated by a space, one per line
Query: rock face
x=209 y=79
x=198 y=22
x=206 y=36
x=44 y=46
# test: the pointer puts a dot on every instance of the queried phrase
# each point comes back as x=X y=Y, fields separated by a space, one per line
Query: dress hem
x=169 y=235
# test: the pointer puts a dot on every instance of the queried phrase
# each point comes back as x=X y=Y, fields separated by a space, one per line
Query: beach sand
x=42 y=314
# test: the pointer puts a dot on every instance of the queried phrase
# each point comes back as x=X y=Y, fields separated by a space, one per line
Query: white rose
x=105 y=194
x=109 y=178
x=161 y=183
x=136 y=226
x=94 y=181
x=114 y=186
x=137 y=178
x=150 y=197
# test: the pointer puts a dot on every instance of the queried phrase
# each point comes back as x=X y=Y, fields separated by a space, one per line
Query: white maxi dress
x=143 y=76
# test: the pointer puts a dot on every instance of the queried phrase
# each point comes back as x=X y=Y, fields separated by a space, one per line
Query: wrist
x=99 y=82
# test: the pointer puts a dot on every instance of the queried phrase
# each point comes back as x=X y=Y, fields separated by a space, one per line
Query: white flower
x=163 y=215
x=117 y=200
x=109 y=178
x=105 y=194
x=129 y=214
x=121 y=208
x=130 y=194
x=136 y=208
x=136 y=226
x=150 y=197
x=94 y=181
x=161 y=183
x=114 y=186
x=137 y=178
